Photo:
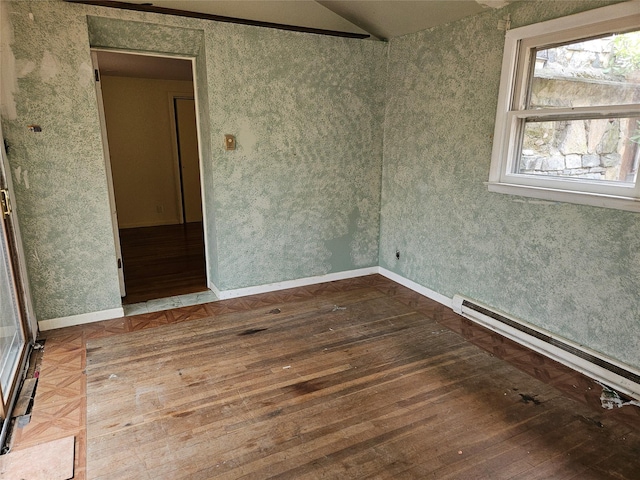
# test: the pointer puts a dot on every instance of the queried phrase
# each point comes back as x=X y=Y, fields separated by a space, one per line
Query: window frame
x=520 y=45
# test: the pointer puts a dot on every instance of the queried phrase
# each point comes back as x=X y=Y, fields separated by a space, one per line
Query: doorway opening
x=151 y=143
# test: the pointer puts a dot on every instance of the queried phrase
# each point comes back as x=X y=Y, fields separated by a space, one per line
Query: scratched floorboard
x=353 y=383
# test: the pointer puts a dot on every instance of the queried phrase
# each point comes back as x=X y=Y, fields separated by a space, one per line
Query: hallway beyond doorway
x=163 y=261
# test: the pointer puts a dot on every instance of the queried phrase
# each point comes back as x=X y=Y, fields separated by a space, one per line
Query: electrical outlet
x=159 y=208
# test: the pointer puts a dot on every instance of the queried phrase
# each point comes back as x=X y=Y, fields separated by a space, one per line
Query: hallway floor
x=163 y=261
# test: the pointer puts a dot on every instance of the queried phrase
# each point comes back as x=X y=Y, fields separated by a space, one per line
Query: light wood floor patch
x=340 y=384
x=47 y=461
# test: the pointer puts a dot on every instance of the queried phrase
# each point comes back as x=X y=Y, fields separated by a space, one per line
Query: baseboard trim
x=150 y=224
x=301 y=282
x=575 y=363
x=596 y=365
x=213 y=288
x=80 y=319
x=416 y=287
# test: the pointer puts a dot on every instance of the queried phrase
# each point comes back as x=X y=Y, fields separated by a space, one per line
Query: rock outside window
x=568 y=120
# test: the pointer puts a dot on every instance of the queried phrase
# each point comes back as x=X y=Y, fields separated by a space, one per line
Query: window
x=568 y=120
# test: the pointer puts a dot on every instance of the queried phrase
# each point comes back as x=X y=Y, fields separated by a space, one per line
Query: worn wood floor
x=163 y=261
x=354 y=379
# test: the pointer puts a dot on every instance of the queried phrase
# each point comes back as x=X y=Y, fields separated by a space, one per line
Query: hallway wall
x=141 y=135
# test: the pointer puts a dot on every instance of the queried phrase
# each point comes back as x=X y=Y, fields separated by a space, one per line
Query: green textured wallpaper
x=574 y=270
x=299 y=197
x=58 y=174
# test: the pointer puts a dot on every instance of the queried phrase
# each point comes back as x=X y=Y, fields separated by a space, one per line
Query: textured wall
x=574 y=270
x=139 y=118
x=300 y=196
x=58 y=174
x=173 y=39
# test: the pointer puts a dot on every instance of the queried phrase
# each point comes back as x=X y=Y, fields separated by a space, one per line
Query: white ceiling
x=392 y=18
x=382 y=19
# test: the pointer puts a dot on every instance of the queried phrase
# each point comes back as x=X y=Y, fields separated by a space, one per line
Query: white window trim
x=512 y=86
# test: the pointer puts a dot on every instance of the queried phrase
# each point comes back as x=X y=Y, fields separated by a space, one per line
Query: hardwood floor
x=360 y=378
x=163 y=261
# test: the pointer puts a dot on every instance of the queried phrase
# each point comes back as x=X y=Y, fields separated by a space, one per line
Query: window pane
x=597 y=72
x=599 y=149
x=11 y=338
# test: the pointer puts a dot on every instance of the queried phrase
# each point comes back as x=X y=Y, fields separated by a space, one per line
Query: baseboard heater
x=607 y=371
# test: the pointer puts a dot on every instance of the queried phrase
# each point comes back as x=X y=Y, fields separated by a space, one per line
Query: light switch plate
x=229 y=142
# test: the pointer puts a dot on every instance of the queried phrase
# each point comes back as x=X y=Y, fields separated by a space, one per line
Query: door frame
x=18 y=256
x=177 y=161
x=27 y=322
x=18 y=366
x=109 y=176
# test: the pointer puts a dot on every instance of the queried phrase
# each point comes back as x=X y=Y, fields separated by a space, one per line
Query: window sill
x=630 y=204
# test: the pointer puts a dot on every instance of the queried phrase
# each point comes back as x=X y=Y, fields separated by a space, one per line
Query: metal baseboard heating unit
x=607 y=371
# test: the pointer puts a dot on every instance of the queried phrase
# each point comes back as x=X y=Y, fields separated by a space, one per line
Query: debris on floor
x=23 y=420
x=610 y=399
x=590 y=421
x=530 y=399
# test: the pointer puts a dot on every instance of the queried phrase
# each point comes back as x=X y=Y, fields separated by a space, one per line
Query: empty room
x=402 y=242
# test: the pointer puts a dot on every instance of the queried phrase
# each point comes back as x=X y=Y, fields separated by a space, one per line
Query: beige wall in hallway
x=138 y=113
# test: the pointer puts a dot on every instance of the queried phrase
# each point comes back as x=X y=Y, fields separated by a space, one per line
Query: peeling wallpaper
x=299 y=197
x=574 y=270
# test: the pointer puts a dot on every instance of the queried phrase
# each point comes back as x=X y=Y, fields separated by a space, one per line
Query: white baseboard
x=213 y=288
x=574 y=362
x=90 y=317
x=301 y=282
x=591 y=363
x=83 y=318
x=331 y=277
x=151 y=223
x=416 y=287
x=80 y=319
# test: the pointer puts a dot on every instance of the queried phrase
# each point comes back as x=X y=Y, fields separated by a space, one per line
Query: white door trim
x=109 y=174
x=192 y=59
